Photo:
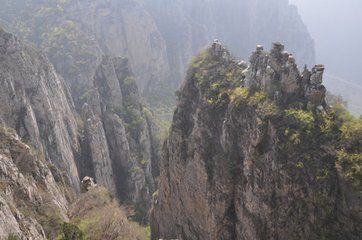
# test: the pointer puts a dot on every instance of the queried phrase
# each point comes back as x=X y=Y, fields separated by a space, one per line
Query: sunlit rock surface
x=249 y=155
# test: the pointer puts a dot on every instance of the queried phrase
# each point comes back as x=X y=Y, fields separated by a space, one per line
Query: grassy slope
x=99 y=216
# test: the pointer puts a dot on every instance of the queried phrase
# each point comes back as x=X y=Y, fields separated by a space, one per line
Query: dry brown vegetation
x=98 y=214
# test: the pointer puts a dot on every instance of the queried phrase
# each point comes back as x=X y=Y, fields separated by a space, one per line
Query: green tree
x=71 y=232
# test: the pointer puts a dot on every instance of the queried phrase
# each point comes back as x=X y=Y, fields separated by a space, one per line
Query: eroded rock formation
x=158 y=36
x=37 y=104
x=111 y=140
x=239 y=24
x=249 y=155
x=118 y=133
x=33 y=194
x=277 y=74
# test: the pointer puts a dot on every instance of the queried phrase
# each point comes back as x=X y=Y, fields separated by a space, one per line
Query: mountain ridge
x=75 y=35
x=251 y=152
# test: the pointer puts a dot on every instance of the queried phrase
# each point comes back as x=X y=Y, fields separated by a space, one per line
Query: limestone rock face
x=118 y=133
x=316 y=92
x=118 y=28
x=37 y=104
x=277 y=74
x=240 y=25
x=112 y=143
x=158 y=36
x=247 y=159
x=113 y=139
x=96 y=157
x=31 y=194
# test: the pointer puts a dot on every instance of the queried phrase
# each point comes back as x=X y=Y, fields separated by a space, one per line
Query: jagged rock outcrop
x=158 y=36
x=124 y=28
x=113 y=142
x=119 y=134
x=33 y=194
x=251 y=154
x=117 y=145
x=277 y=74
x=239 y=24
x=37 y=104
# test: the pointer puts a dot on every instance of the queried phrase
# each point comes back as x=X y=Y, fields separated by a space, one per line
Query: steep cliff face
x=113 y=140
x=32 y=196
x=36 y=103
x=75 y=35
x=117 y=146
x=252 y=154
x=158 y=36
x=119 y=134
x=122 y=28
x=188 y=26
x=35 y=201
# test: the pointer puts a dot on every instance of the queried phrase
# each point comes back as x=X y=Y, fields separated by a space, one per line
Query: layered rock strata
x=37 y=104
x=33 y=194
x=119 y=134
x=159 y=36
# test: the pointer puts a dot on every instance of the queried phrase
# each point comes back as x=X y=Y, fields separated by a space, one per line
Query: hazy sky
x=336 y=27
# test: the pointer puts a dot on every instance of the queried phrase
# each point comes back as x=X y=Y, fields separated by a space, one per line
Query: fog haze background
x=336 y=26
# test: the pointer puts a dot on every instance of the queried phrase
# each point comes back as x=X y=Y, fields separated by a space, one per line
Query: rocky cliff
x=37 y=203
x=33 y=193
x=37 y=104
x=38 y=136
x=112 y=139
x=188 y=26
x=159 y=37
x=119 y=134
x=253 y=152
x=76 y=34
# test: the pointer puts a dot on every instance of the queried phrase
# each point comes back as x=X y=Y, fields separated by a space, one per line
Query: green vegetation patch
x=13 y=237
x=71 y=232
x=304 y=118
x=350 y=146
x=198 y=60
